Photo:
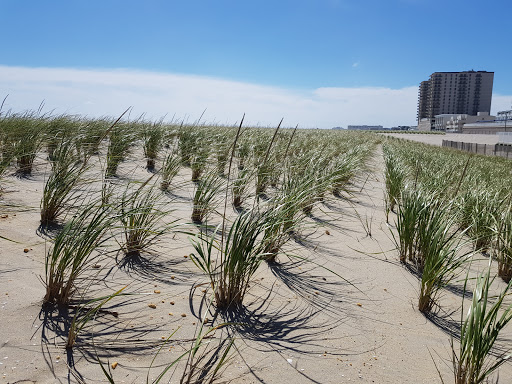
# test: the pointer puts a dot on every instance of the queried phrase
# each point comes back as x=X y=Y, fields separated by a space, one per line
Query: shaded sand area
x=341 y=309
x=438 y=139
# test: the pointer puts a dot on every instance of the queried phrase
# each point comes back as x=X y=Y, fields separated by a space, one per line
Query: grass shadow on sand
x=49 y=231
x=149 y=266
x=315 y=285
x=114 y=331
x=445 y=322
x=275 y=323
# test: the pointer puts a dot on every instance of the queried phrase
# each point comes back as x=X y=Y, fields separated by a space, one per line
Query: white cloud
x=355 y=65
x=500 y=103
x=95 y=92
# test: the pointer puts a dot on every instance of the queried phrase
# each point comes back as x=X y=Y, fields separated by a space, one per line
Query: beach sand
x=341 y=309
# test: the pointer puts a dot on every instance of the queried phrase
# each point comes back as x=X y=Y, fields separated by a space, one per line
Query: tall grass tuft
x=231 y=264
x=23 y=137
x=91 y=134
x=472 y=363
x=206 y=196
x=73 y=251
x=121 y=137
x=410 y=207
x=222 y=152
x=264 y=167
x=152 y=141
x=170 y=169
x=240 y=187
x=502 y=244
x=243 y=151
x=394 y=176
x=66 y=173
x=6 y=151
x=478 y=210
x=342 y=170
x=439 y=247
x=141 y=212
x=285 y=215
x=198 y=163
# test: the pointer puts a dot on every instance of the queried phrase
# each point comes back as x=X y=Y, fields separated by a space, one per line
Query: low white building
x=456 y=125
x=501 y=123
x=456 y=122
x=441 y=121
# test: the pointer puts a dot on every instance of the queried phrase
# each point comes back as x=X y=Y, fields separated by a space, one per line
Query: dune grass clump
x=222 y=151
x=284 y=216
x=280 y=226
x=152 y=141
x=240 y=187
x=342 y=169
x=231 y=263
x=199 y=162
x=206 y=196
x=121 y=137
x=428 y=239
x=410 y=208
x=91 y=133
x=170 y=170
x=243 y=151
x=141 y=212
x=263 y=163
x=263 y=173
x=6 y=152
x=473 y=362
x=58 y=129
x=65 y=175
x=394 y=177
x=440 y=254
x=478 y=211
x=189 y=141
x=502 y=243
x=22 y=139
x=74 y=250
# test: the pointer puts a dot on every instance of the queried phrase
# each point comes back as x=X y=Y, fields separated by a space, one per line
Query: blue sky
x=311 y=52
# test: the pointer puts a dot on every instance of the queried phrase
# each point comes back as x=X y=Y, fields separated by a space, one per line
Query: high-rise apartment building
x=467 y=92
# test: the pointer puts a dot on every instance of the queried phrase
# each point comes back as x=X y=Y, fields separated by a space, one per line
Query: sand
x=342 y=310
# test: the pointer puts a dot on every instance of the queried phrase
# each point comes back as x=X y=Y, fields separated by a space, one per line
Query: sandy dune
x=343 y=311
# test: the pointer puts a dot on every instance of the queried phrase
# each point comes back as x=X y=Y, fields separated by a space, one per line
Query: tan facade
x=424 y=125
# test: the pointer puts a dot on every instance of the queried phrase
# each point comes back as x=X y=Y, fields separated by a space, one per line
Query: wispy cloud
x=500 y=103
x=355 y=65
x=109 y=92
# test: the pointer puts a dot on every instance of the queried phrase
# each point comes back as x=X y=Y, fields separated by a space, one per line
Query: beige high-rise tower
x=467 y=92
